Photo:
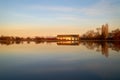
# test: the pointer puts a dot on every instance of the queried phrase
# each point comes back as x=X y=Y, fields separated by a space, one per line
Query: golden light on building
x=68 y=37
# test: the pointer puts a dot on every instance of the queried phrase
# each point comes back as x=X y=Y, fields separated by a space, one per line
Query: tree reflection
x=102 y=46
x=99 y=46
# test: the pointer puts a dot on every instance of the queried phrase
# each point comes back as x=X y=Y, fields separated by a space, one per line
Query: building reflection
x=104 y=49
x=99 y=46
x=70 y=43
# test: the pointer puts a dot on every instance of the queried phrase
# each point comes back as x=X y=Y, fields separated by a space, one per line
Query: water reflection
x=71 y=43
x=59 y=60
x=103 y=46
x=99 y=46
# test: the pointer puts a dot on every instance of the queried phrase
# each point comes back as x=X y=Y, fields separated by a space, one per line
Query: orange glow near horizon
x=39 y=31
x=45 y=31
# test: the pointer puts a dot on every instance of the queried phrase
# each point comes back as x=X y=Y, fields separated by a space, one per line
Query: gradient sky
x=52 y=17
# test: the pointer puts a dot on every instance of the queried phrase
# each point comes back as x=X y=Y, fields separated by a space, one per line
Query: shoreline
x=59 y=40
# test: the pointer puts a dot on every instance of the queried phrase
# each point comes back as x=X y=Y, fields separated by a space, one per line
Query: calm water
x=60 y=61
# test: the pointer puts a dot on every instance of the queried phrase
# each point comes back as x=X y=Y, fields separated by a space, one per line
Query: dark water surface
x=60 y=61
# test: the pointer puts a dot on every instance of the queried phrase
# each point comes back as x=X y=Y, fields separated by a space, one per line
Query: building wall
x=68 y=38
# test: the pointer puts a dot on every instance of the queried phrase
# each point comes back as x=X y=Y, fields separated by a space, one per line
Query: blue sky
x=56 y=16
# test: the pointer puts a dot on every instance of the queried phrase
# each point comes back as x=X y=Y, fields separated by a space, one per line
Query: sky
x=52 y=17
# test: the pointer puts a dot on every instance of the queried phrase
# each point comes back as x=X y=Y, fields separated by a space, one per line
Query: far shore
x=58 y=40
